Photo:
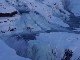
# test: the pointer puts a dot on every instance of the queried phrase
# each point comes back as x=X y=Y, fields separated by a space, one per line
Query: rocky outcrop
x=8 y=14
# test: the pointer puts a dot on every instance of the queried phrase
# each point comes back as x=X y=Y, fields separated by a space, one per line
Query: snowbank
x=5 y=8
x=7 y=53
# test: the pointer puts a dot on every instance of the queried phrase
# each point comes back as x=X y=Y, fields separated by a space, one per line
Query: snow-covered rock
x=6 y=9
x=43 y=15
x=52 y=45
x=7 y=23
x=56 y=42
x=48 y=9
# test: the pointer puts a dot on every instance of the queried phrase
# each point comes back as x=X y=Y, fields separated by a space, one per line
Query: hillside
x=40 y=29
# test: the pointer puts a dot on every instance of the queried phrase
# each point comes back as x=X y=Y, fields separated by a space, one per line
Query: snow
x=6 y=8
x=58 y=41
x=10 y=22
x=75 y=7
x=50 y=13
x=77 y=29
x=2 y=1
x=45 y=11
x=7 y=53
x=44 y=21
x=50 y=16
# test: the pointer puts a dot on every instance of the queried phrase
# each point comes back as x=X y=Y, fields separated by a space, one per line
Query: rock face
x=8 y=14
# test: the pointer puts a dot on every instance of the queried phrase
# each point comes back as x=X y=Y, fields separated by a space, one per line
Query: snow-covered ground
x=75 y=7
x=50 y=15
x=58 y=42
x=45 y=43
x=5 y=8
x=7 y=23
x=7 y=53
x=40 y=16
